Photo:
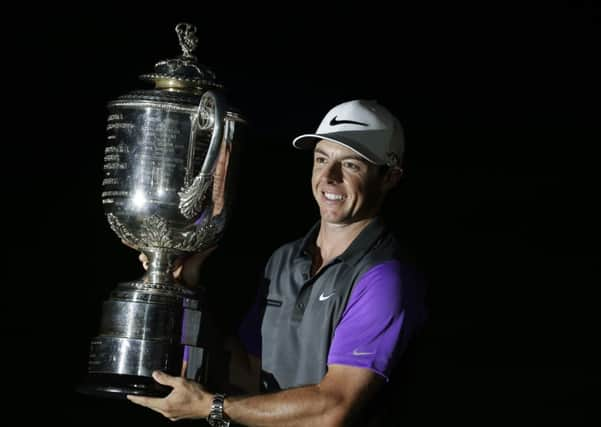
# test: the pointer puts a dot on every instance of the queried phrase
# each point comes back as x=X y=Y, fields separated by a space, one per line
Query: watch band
x=216 y=417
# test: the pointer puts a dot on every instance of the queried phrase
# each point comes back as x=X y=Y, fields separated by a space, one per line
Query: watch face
x=216 y=421
x=216 y=417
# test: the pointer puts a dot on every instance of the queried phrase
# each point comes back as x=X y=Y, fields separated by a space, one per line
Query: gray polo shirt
x=301 y=313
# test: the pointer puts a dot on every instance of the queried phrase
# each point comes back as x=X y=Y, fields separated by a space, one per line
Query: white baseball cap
x=365 y=127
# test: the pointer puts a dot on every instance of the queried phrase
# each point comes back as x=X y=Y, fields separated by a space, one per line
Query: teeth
x=331 y=196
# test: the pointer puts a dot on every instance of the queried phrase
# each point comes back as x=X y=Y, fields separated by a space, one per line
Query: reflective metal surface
x=166 y=191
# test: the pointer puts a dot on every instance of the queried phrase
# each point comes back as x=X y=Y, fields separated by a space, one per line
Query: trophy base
x=117 y=386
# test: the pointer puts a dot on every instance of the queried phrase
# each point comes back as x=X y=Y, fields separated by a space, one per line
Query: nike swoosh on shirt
x=323 y=297
x=363 y=353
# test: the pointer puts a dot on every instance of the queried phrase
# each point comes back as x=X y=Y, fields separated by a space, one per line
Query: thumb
x=177 y=273
x=163 y=378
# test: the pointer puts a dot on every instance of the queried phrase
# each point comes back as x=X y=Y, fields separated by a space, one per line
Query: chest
x=302 y=300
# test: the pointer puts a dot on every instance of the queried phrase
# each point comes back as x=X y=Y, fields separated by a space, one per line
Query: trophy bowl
x=169 y=162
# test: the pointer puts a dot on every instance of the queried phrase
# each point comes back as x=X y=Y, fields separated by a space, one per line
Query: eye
x=351 y=166
x=319 y=160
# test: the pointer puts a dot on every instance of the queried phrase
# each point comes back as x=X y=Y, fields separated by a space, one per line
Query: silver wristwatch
x=216 y=417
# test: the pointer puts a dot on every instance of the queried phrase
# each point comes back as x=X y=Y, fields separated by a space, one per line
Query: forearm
x=302 y=406
x=244 y=368
x=332 y=403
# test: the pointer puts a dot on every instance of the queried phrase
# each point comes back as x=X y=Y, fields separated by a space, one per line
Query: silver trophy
x=168 y=167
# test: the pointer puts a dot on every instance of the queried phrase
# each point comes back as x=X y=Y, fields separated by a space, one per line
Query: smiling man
x=338 y=307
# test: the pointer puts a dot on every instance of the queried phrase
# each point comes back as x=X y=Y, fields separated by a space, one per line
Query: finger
x=177 y=273
x=153 y=403
x=147 y=402
x=165 y=379
x=144 y=260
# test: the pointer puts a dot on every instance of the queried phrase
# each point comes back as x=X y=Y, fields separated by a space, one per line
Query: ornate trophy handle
x=211 y=115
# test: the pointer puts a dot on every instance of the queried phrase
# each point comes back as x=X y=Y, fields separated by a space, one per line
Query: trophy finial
x=183 y=73
x=186 y=33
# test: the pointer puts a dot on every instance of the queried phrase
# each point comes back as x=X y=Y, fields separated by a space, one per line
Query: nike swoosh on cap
x=335 y=122
x=323 y=297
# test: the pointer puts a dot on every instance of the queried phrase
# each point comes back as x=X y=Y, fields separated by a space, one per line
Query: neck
x=334 y=239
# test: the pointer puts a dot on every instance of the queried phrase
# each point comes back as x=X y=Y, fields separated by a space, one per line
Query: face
x=347 y=187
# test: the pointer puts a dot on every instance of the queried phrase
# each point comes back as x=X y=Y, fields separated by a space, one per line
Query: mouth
x=333 y=197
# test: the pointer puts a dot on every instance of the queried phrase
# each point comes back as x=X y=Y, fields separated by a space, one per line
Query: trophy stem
x=161 y=262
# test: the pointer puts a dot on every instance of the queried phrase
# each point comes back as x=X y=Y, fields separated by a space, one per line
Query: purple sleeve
x=370 y=327
x=249 y=331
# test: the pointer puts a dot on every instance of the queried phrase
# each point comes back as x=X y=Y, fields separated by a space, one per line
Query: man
x=337 y=306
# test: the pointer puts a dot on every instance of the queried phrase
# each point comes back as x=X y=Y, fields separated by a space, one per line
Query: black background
x=501 y=113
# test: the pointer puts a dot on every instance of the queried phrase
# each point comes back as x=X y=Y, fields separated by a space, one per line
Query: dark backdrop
x=500 y=108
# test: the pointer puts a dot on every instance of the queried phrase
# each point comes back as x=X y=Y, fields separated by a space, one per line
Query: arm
x=245 y=348
x=244 y=368
x=364 y=344
x=332 y=402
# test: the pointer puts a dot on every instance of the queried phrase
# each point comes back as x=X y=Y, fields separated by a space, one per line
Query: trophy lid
x=183 y=73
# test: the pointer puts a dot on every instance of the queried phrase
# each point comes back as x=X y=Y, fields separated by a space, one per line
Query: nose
x=333 y=172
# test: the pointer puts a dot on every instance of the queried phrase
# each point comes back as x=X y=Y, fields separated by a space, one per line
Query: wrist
x=209 y=405
x=226 y=400
x=217 y=417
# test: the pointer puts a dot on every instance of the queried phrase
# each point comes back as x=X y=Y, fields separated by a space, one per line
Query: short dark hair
x=383 y=170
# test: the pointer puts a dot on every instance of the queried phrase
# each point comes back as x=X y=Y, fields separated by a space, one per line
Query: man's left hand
x=188 y=399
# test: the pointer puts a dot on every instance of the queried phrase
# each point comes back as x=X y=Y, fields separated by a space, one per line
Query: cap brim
x=308 y=141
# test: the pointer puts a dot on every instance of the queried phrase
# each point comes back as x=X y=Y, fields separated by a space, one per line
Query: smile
x=332 y=196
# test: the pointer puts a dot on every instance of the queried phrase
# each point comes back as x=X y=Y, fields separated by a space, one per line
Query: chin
x=335 y=219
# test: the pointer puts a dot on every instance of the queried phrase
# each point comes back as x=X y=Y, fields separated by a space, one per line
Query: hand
x=188 y=399
x=186 y=269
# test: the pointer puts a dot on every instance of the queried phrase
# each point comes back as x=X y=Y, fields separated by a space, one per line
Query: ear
x=392 y=178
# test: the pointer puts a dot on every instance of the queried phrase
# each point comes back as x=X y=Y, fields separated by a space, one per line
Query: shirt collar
x=362 y=243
